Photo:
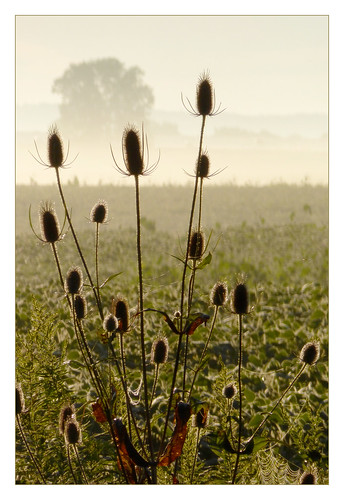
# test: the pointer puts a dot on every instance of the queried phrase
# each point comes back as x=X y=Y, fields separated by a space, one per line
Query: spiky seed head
x=205 y=96
x=50 y=228
x=121 y=311
x=132 y=151
x=229 y=391
x=74 y=280
x=310 y=353
x=240 y=299
x=99 y=212
x=200 y=419
x=219 y=294
x=159 y=351
x=66 y=412
x=80 y=306
x=55 y=148
x=184 y=411
x=308 y=478
x=72 y=431
x=110 y=323
x=196 y=247
x=20 y=402
x=203 y=166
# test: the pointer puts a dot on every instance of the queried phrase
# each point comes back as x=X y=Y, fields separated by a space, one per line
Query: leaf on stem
x=98 y=412
x=194 y=321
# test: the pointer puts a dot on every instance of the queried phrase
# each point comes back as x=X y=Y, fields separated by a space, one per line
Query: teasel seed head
x=20 y=402
x=132 y=151
x=74 y=281
x=229 y=391
x=203 y=166
x=66 y=413
x=50 y=228
x=196 y=246
x=219 y=294
x=72 y=431
x=159 y=352
x=184 y=411
x=99 y=212
x=55 y=148
x=110 y=323
x=80 y=306
x=121 y=311
x=201 y=419
x=239 y=299
x=310 y=353
x=308 y=478
x=205 y=96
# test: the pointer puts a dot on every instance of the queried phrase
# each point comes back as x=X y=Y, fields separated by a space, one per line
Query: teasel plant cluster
x=127 y=415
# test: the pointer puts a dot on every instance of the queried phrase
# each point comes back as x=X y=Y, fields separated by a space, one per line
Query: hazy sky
x=262 y=64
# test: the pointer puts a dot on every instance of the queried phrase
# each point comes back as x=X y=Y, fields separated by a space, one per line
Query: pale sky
x=260 y=64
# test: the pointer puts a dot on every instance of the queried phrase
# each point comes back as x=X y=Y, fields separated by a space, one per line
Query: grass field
x=276 y=235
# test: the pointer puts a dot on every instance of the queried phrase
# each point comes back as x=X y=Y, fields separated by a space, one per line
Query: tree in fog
x=100 y=97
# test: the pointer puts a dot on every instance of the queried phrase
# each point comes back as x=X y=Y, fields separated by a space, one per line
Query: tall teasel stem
x=121 y=346
x=142 y=331
x=240 y=398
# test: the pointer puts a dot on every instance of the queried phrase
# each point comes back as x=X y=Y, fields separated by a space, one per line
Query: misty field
x=275 y=238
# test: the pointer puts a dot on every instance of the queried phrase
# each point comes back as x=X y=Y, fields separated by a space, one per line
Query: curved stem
x=279 y=400
x=204 y=351
x=240 y=398
x=22 y=433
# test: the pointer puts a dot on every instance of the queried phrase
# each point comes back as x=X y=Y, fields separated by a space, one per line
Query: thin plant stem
x=240 y=398
x=70 y=464
x=97 y=262
x=22 y=433
x=205 y=348
x=279 y=400
x=125 y=379
x=195 y=457
x=156 y=375
x=77 y=243
x=80 y=464
x=142 y=331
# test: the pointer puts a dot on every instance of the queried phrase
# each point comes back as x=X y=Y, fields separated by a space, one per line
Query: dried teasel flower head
x=80 y=306
x=110 y=323
x=201 y=418
x=219 y=294
x=55 y=148
x=202 y=169
x=20 y=402
x=310 y=353
x=72 y=431
x=239 y=299
x=308 y=478
x=229 y=391
x=73 y=281
x=120 y=308
x=184 y=411
x=99 y=212
x=50 y=228
x=196 y=245
x=205 y=96
x=132 y=151
x=159 y=352
x=66 y=412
